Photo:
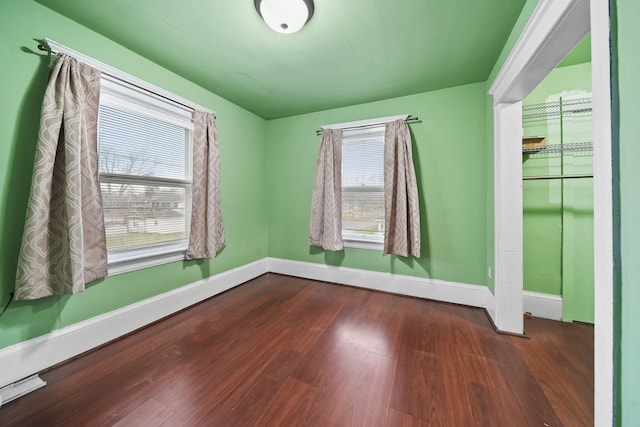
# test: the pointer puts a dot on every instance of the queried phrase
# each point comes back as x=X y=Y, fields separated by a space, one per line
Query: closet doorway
x=553 y=30
x=557 y=192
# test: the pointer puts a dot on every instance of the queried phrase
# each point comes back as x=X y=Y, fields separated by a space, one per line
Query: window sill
x=351 y=242
x=125 y=262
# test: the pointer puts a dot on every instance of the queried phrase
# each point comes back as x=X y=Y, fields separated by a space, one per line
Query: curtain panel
x=206 y=238
x=64 y=243
x=325 y=229
x=401 y=203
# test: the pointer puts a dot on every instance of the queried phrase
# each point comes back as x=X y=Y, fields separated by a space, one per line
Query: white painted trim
x=553 y=30
x=508 y=249
x=491 y=307
x=602 y=213
x=30 y=357
x=121 y=75
x=129 y=265
x=439 y=290
x=366 y=122
x=547 y=306
x=363 y=244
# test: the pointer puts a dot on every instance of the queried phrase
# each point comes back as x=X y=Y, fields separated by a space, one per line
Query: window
x=145 y=156
x=363 y=187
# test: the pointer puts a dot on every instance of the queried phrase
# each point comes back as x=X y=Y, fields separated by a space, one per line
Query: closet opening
x=553 y=30
x=557 y=192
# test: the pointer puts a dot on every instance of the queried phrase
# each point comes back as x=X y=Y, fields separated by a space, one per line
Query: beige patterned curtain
x=326 y=203
x=207 y=230
x=64 y=244
x=401 y=210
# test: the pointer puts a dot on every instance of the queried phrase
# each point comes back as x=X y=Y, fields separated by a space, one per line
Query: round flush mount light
x=285 y=16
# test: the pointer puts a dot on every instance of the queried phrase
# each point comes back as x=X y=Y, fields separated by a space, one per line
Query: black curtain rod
x=410 y=119
x=45 y=48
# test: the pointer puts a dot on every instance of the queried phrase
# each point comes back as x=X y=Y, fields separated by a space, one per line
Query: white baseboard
x=30 y=357
x=546 y=306
x=439 y=290
x=491 y=308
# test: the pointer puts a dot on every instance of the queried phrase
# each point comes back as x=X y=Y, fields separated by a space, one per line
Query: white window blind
x=145 y=152
x=363 y=185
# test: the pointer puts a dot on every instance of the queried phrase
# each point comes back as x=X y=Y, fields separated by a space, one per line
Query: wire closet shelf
x=560 y=109
x=572 y=147
x=557 y=110
x=554 y=110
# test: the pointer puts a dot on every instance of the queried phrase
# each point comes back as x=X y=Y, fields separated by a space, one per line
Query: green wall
x=24 y=72
x=558 y=214
x=449 y=153
x=628 y=322
x=456 y=181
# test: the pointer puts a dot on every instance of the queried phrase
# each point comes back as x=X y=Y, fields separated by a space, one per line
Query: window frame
x=367 y=133
x=131 y=98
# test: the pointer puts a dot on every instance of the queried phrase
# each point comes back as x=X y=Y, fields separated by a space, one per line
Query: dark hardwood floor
x=283 y=351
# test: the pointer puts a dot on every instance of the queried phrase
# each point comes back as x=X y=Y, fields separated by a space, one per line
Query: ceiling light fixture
x=285 y=16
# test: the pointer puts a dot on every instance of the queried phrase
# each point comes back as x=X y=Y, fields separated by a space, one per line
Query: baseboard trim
x=547 y=306
x=439 y=290
x=30 y=357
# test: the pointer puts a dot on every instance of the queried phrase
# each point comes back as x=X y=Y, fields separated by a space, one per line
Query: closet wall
x=558 y=212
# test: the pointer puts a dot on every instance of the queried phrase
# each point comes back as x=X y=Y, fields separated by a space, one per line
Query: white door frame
x=554 y=29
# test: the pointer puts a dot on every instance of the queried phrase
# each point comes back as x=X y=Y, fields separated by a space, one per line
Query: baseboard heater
x=20 y=388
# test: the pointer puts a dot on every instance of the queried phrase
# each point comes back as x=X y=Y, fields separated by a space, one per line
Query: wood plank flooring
x=283 y=351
